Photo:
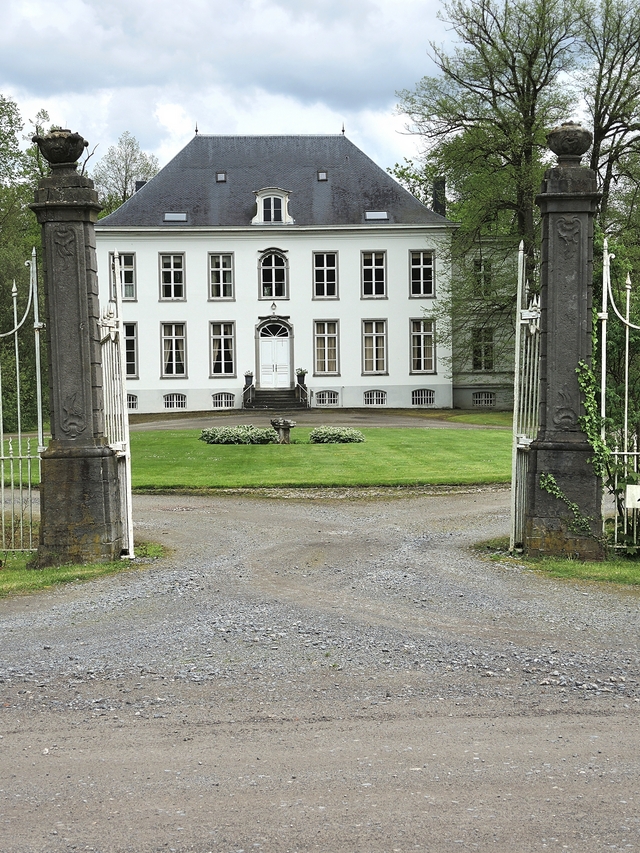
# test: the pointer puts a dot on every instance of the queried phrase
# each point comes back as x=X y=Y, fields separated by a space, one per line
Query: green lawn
x=16 y=578
x=166 y=459
x=615 y=569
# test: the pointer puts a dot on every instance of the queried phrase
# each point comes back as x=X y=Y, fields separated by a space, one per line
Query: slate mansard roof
x=187 y=184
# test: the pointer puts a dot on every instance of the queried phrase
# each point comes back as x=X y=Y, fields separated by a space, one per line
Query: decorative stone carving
x=61 y=147
x=569 y=234
x=570 y=139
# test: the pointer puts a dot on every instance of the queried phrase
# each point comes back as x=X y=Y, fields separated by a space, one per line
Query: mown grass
x=176 y=459
x=619 y=570
x=16 y=578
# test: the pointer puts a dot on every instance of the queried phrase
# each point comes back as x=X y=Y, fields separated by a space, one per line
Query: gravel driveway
x=321 y=673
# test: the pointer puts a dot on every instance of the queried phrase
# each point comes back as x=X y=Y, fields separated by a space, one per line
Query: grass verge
x=176 y=459
x=16 y=578
x=619 y=570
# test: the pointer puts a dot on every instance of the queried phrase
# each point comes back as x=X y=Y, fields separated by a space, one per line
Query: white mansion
x=275 y=254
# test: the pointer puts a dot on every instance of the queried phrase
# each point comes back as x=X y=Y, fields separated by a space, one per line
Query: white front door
x=274 y=363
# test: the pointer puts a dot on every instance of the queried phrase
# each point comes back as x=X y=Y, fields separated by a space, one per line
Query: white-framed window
x=174 y=350
x=175 y=401
x=130 y=335
x=374 y=275
x=221 y=276
x=423 y=349
x=374 y=346
x=423 y=397
x=325 y=334
x=127 y=274
x=422 y=274
x=325 y=275
x=481 y=277
x=172 y=276
x=375 y=398
x=482 y=349
x=327 y=398
x=223 y=400
x=483 y=399
x=132 y=401
x=272 y=207
x=222 y=336
x=274 y=279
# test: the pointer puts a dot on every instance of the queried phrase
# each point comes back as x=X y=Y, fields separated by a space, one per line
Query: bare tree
x=115 y=175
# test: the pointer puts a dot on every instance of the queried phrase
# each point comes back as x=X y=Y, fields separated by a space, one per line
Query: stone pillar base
x=551 y=526
x=79 y=506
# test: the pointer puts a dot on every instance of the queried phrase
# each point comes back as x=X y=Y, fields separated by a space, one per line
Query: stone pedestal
x=79 y=493
x=567 y=201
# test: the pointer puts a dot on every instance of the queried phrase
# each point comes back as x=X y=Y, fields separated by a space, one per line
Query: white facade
x=204 y=305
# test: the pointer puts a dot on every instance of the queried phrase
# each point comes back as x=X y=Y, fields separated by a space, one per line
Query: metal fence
x=623 y=463
x=20 y=450
x=116 y=413
x=525 y=399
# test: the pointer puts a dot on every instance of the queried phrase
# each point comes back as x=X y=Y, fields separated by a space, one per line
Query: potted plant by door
x=301 y=375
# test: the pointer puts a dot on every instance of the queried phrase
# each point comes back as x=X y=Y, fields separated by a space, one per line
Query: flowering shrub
x=244 y=434
x=335 y=435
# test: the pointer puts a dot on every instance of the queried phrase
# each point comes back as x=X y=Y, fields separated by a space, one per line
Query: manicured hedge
x=335 y=435
x=244 y=434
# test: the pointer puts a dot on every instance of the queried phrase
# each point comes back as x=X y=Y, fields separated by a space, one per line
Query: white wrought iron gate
x=525 y=398
x=19 y=449
x=622 y=466
x=116 y=414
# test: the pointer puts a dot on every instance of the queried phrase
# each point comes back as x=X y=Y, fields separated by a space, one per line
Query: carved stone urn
x=61 y=147
x=569 y=141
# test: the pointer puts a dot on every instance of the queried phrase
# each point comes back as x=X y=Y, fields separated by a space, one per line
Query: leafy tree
x=484 y=119
x=610 y=44
x=115 y=175
x=19 y=233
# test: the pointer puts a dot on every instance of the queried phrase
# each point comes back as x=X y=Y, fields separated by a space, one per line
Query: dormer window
x=272 y=207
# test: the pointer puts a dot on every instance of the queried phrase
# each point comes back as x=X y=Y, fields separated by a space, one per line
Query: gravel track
x=326 y=670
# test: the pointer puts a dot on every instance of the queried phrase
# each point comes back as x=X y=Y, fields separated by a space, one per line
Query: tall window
x=374 y=274
x=222 y=346
x=422 y=279
x=221 y=276
x=481 y=277
x=326 y=346
x=130 y=349
x=422 y=346
x=374 y=346
x=325 y=275
x=126 y=274
x=273 y=276
x=482 y=349
x=172 y=276
x=173 y=349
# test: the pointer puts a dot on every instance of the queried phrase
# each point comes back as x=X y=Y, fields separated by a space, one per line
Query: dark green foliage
x=244 y=434
x=335 y=435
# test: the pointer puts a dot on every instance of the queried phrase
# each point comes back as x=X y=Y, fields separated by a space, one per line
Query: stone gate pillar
x=79 y=494
x=567 y=202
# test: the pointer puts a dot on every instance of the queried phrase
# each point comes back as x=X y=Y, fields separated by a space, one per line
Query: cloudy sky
x=156 y=67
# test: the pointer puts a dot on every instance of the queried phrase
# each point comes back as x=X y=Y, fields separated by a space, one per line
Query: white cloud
x=251 y=66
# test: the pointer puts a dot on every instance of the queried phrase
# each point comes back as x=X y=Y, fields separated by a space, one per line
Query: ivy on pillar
x=564 y=496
